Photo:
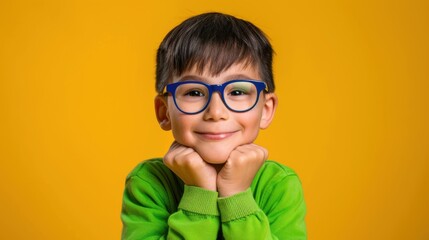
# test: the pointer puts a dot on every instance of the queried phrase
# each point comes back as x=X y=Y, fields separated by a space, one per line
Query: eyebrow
x=228 y=78
x=191 y=77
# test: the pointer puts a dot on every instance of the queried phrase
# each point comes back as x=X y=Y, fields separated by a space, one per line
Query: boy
x=215 y=91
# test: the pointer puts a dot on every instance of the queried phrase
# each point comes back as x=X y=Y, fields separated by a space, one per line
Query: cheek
x=181 y=128
x=250 y=122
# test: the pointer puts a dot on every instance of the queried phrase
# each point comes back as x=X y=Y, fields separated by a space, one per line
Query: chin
x=214 y=157
x=215 y=160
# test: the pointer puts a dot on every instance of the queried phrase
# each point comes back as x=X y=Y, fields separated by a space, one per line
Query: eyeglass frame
x=171 y=88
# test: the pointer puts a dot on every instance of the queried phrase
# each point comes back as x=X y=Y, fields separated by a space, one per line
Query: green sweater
x=157 y=205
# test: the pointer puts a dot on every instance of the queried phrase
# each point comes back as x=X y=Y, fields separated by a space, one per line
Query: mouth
x=215 y=136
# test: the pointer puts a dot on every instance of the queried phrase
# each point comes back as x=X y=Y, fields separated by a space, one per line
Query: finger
x=252 y=151
x=263 y=151
x=174 y=152
x=175 y=145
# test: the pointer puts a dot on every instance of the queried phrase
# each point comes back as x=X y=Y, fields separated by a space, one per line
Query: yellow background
x=76 y=102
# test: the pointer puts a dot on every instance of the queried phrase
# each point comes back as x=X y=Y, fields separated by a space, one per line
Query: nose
x=216 y=110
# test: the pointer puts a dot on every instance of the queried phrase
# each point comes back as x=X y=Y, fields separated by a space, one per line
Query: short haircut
x=214 y=41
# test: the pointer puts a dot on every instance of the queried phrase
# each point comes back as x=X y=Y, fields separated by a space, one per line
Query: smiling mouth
x=215 y=136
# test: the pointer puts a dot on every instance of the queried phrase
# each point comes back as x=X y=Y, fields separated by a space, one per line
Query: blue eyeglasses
x=193 y=97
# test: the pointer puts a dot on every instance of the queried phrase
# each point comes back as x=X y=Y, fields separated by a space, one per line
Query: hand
x=190 y=167
x=239 y=170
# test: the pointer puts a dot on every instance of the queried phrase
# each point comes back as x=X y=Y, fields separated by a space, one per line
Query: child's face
x=216 y=131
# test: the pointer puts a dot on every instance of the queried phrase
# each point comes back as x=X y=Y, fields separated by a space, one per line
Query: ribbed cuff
x=199 y=200
x=237 y=206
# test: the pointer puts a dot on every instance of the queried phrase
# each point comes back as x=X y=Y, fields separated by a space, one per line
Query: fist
x=239 y=170
x=187 y=164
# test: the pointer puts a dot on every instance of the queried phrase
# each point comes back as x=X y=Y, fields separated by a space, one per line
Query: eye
x=239 y=88
x=194 y=93
x=237 y=92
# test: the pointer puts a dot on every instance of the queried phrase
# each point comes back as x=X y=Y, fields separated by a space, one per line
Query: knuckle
x=241 y=159
x=167 y=158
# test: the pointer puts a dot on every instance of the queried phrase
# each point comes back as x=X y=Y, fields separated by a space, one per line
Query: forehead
x=241 y=71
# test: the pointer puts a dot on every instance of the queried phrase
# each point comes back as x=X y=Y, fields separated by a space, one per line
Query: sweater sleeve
x=149 y=212
x=278 y=215
x=197 y=211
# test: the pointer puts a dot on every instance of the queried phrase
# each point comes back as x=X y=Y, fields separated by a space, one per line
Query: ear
x=161 y=110
x=269 y=109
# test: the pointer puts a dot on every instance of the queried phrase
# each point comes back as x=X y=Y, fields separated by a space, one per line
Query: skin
x=214 y=149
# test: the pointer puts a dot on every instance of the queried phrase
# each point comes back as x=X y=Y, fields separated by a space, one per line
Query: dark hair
x=216 y=41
